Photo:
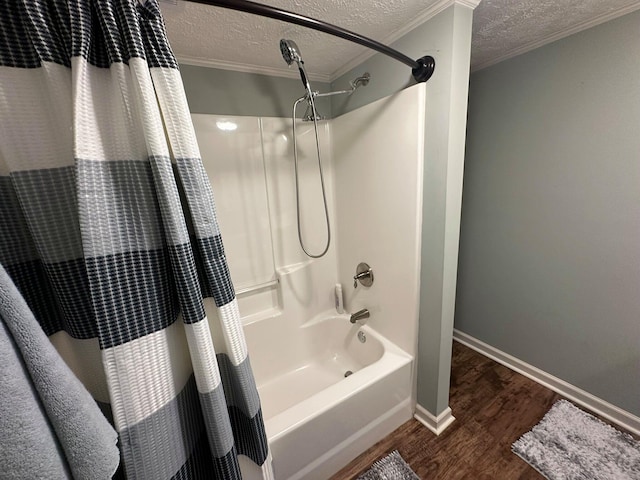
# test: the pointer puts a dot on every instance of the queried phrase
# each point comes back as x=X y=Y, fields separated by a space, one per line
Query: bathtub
x=329 y=390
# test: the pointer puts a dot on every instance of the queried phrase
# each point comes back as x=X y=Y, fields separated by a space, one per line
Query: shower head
x=290 y=52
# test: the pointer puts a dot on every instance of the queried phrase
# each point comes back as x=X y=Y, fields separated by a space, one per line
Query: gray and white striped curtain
x=108 y=228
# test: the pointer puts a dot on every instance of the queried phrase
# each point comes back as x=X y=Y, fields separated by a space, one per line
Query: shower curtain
x=108 y=228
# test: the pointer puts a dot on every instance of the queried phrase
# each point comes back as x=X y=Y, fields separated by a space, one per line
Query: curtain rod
x=422 y=68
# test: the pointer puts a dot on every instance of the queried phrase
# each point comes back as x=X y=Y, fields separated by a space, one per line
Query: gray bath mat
x=569 y=444
x=391 y=467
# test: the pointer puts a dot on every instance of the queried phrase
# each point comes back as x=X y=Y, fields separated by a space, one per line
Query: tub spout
x=359 y=315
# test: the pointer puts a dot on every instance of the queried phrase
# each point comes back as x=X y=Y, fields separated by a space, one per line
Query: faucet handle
x=364 y=273
x=356 y=278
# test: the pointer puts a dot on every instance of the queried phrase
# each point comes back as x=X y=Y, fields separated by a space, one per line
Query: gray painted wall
x=225 y=92
x=446 y=37
x=549 y=267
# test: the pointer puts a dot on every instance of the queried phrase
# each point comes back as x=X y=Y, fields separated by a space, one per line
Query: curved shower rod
x=422 y=68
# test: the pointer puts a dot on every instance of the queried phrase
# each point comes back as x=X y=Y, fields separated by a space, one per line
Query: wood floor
x=493 y=407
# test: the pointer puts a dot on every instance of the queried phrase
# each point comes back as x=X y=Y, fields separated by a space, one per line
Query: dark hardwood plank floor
x=493 y=406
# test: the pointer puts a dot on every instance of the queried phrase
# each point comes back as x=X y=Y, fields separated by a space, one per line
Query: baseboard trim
x=436 y=424
x=581 y=397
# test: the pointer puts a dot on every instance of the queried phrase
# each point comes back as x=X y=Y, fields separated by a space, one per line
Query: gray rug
x=569 y=444
x=391 y=467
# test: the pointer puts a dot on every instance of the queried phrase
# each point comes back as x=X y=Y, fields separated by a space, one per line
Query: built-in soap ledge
x=259 y=302
x=294 y=267
x=255 y=288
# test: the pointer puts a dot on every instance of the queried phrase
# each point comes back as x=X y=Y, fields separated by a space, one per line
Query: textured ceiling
x=240 y=41
x=504 y=28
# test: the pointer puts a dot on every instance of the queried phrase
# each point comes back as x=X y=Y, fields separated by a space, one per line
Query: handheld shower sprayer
x=291 y=53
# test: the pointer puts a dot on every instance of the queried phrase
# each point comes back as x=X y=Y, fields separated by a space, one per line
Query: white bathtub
x=317 y=419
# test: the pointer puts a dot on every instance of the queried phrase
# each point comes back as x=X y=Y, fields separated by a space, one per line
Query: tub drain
x=347 y=373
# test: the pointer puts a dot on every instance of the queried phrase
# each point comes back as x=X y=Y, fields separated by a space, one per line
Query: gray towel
x=50 y=427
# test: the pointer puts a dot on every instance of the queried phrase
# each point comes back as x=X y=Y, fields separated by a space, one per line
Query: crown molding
x=469 y=3
x=426 y=15
x=241 y=67
x=514 y=52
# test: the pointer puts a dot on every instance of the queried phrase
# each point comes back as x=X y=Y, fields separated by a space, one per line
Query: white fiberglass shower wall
x=326 y=395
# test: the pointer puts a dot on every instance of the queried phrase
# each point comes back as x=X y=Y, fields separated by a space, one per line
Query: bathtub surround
x=100 y=174
x=378 y=214
x=237 y=177
x=551 y=220
x=252 y=168
x=297 y=341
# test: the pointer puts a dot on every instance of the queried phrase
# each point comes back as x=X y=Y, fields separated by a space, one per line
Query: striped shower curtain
x=108 y=228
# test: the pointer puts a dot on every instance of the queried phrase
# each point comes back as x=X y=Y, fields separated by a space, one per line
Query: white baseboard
x=436 y=424
x=581 y=397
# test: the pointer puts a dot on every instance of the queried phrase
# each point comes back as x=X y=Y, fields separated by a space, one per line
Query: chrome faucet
x=364 y=274
x=359 y=315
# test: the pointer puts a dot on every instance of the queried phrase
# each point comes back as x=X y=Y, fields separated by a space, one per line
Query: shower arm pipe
x=422 y=68
x=355 y=84
x=330 y=94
